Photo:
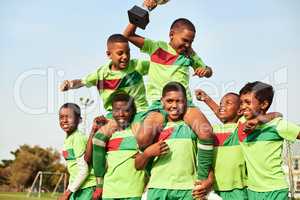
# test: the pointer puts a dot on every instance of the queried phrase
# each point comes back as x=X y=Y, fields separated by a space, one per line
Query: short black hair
x=174 y=86
x=116 y=38
x=74 y=107
x=123 y=96
x=262 y=91
x=233 y=93
x=183 y=23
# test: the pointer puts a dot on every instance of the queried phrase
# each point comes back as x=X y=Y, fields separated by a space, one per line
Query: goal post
x=37 y=183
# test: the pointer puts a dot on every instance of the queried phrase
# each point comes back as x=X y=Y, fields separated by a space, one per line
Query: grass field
x=22 y=196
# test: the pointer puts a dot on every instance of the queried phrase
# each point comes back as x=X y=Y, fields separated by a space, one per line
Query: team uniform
x=262 y=151
x=229 y=164
x=121 y=179
x=74 y=149
x=173 y=175
x=129 y=80
x=167 y=65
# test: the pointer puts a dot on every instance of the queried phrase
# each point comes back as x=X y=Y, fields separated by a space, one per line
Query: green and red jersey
x=176 y=170
x=262 y=151
x=129 y=80
x=167 y=65
x=121 y=179
x=74 y=148
x=229 y=164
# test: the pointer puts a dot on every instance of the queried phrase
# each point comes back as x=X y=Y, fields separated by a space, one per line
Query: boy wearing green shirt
x=229 y=165
x=173 y=175
x=115 y=153
x=119 y=74
x=82 y=181
x=171 y=62
x=262 y=147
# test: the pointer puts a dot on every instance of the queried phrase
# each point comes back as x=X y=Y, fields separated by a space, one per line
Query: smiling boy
x=262 y=147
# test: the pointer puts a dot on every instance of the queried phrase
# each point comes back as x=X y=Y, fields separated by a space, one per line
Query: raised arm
x=130 y=34
x=202 y=96
x=97 y=124
x=71 y=84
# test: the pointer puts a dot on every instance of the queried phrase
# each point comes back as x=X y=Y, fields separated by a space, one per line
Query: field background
x=22 y=196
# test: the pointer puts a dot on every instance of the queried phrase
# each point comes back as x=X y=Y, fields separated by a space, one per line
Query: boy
x=82 y=180
x=119 y=74
x=170 y=62
x=173 y=175
x=121 y=180
x=262 y=147
x=229 y=164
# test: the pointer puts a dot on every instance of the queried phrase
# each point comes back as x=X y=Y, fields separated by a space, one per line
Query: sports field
x=22 y=196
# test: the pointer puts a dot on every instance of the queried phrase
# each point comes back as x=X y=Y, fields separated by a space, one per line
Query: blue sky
x=45 y=42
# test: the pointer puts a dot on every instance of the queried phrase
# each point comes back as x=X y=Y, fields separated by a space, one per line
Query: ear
x=264 y=105
x=171 y=34
x=79 y=120
x=108 y=53
x=162 y=101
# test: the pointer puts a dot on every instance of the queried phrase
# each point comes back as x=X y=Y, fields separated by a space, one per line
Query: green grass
x=22 y=196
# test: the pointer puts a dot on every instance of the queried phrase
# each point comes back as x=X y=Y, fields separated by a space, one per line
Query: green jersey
x=74 y=147
x=176 y=170
x=129 y=80
x=166 y=65
x=229 y=164
x=121 y=179
x=262 y=151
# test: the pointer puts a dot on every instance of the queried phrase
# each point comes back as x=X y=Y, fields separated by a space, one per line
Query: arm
x=83 y=172
x=97 y=124
x=71 y=84
x=156 y=149
x=251 y=124
x=130 y=34
x=202 y=96
x=202 y=188
x=99 y=160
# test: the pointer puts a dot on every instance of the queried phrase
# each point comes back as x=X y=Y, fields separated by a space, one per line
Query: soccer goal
x=37 y=184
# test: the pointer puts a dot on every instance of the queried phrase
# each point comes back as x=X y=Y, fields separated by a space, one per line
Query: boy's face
x=229 y=108
x=121 y=113
x=67 y=120
x=119 y=53
x=251 y=106
x=181 y=40
x=174 y=104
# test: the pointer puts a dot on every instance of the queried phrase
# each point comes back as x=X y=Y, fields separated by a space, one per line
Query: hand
x=157 y=149
x=109 y=128
x=203 y=72
x=202 y=188
x=66 y=195
x=98 y=123
x=97 y=194
x=250 y=125
x=201 y=95
x=66 y=85
x=150 y=4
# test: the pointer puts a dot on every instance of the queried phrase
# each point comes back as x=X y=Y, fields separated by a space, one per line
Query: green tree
x=20 y=172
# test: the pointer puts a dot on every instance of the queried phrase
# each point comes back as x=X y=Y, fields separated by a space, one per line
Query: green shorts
x=235 y=194
x=83 y=194
x=139 y=116
x=166 y=194
x=272 y=195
